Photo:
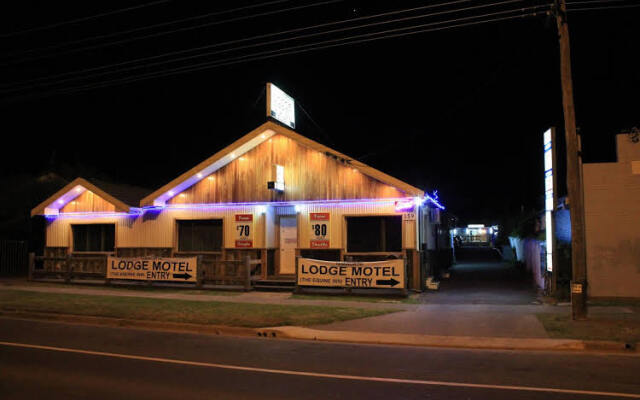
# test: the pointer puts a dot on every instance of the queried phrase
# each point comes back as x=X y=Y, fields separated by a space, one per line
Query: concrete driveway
x=482 y=297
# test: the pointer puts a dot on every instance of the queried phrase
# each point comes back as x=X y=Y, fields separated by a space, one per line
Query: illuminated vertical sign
x=549 y=196
x=280 y=106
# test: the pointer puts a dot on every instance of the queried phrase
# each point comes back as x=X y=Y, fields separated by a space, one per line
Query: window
x=374 y=234
x=200 y=235
x=94 y=237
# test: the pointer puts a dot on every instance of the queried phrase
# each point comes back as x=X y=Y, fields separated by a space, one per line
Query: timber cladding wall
x=159 y=230
x=309 y=175
x=153 y=230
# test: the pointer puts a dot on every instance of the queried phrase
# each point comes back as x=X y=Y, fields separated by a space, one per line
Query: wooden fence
x=13 y=257
x=76 y=268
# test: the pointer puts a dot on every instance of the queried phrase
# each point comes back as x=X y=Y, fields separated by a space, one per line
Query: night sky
x=461 y=111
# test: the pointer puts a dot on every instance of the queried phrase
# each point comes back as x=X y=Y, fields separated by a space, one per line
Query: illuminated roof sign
x=280 y=106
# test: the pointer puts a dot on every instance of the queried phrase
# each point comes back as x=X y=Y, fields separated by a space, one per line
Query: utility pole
x=574 y=176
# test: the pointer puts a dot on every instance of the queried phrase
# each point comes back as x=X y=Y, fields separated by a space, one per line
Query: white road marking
x=322 y=375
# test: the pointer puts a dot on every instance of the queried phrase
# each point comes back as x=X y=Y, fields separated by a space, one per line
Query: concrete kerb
x=461 y=342
x=301 y=333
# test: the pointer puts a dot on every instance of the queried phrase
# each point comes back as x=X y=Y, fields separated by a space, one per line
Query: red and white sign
x=320 y=230
x=244 y=230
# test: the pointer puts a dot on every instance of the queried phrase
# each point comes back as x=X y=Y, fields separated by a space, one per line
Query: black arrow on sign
x=390 y=282
x=185 y=276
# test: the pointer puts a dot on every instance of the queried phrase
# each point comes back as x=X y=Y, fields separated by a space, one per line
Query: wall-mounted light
x=261 y=209
x=278 y=184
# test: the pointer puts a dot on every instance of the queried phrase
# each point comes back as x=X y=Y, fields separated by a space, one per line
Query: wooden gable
x=309 y=175
x=80 y=195
x=88 y=202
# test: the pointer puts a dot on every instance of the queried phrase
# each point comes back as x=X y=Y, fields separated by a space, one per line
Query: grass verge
x=361 y=298
x=198 y=312
x=620 y=328
x=129 y=287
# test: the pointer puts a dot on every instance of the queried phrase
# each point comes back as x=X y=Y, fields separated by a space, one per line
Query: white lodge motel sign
x=388 y=274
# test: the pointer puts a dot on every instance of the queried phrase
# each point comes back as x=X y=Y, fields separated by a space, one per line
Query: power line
x=262 y=43
x=278 y=53
x=214 y=45
x=173 y=22
x=603 y=8
x=294 y=49
x=82 y=19
x=183 y=29
x=593 y=1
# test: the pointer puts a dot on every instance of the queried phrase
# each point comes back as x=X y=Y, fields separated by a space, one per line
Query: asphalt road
x=48 y=360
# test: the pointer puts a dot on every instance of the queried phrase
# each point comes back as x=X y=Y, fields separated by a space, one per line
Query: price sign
x=244 y=230
x=320 y=224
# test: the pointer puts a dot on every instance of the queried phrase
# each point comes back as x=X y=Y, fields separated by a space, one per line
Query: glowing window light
x=279 y=184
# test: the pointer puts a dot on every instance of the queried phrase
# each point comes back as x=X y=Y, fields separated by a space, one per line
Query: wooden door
x=288 y=244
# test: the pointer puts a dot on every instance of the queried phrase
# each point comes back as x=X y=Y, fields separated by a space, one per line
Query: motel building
x=269 y=197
